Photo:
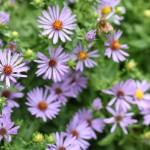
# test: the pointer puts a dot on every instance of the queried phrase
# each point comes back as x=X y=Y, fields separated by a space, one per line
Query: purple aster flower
x=62 y=91
x=54 y=67
x=42 y=104
x=4 y=18
x=80 y=131
x=7 y=128
x=6 y=111
x=11 y=94
x=97 y=104
x=107 y=8
x=142 y=98
x=91 y=35
x=11 y=67
x=123 y=94
x=76 y=81
x=114 y=48
x=84 y=57
x=57 y=24
x=63 y=143
x=96 y=124
x=120 y=118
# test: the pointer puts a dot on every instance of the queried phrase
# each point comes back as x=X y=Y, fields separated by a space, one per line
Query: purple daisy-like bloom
x=80 y=131
x=7 y=128
x=42 y=104
x=57 y=24
x=91 y=35
x=62 y=91
x=142 y=98
x=11 y=94
x=11 y=67
x=114 y=48
x=63 y=143
x=84 y=57
x=97 y=104
x=107 y=8
x=96 y=124
x=123 y=94
x=76 y=81
x=120 y=118
x=4 y=18
x=54 y=67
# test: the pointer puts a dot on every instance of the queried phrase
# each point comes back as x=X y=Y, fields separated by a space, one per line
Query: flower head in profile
x=11 y=67
x=84 y=57
x=120 y=118
x=141 y=97
x=63 y=142
x=96 y=124
x=80 y=131
x=76 y=81
x=4 y=18
x=53 y=67
x=107 y=8
x=42 y=104
x=57 y=24
x=114 y=48
x=11 y=94
x=7 y=128
x=146 y=115
x=97 y=104
x=122 y=94
x=62 y=91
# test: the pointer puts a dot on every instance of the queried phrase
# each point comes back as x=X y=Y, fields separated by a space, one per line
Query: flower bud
x=97 y=104
x=91 y=35
x=38 y=137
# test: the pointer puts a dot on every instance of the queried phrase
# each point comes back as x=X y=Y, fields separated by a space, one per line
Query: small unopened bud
x=147 y=13
x=71 y=63
x=147 y=135
x=38 y=137
x=28 y=53
x=131 y=65
x=15 y=34
x=91 y=35
x=50 y=139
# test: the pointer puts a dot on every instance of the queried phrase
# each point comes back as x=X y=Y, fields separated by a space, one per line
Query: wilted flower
x=123 y=94
x=84 y=57
x=91 y=35
x=54 y=67
x=80 y=131
x=63 y=142
x=57 y=24
x=12 y=46
x=120 y=118
x=42 y=104
x=114 y=47
x=4 y=18
x=142 y=98
x=97 y=104
x=7 y=128
x=11 y=67
x=76 y=81
x=11 y=94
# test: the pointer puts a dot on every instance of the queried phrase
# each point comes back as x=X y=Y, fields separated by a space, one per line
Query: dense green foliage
x=136 y=29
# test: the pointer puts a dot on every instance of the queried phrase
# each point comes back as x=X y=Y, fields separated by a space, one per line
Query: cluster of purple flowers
x=125 y=94
x=82 y=127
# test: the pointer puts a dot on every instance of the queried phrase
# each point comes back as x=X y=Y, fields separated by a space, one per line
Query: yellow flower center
x=139 y=94
x=82 y=55
x=106 y=10
x=57 y=25
x=115 y=45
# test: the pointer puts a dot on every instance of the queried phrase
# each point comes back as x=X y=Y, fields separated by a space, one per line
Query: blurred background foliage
x=24 y=30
